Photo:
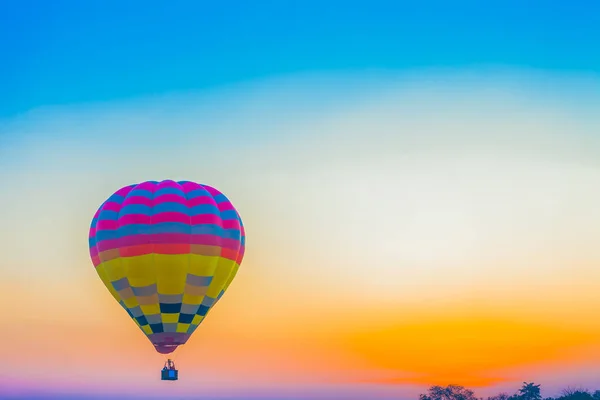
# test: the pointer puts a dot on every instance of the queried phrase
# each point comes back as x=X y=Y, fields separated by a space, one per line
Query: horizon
x=411 y=220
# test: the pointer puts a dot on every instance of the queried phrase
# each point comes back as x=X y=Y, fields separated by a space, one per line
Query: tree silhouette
x=450 y=392
x=500 y=396
x=530 y=391
x=575 y=394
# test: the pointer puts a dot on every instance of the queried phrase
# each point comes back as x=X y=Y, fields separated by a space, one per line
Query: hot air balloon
x=167 y=251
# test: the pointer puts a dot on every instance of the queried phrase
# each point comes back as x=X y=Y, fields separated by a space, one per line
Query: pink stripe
x=225 y=206
x=134 y=219
x=168 y=184
x=228 y=243
x=92 y=233
x=168 y=238
x=189 y=186
x=170 y=217
x=206 y=219
x=231 y=224
x=111 y=206
x=201 y=200
x=134 y=240
x=96 y=214
x=96 y=260
x=208 y=240
x=211 y=190
x=107 y=225
x=165 y=238
x=137 y=200
x=110 y=244
x=124 y=190
x=240 y=255
x=169 y=198
x=107 y=244
x=149 y=186
x=93 y=251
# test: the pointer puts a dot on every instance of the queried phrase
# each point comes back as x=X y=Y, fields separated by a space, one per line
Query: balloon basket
x=169 y=372
x=169 y=375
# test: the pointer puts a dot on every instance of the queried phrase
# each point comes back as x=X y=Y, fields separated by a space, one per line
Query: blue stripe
x=204 y=209
x=220 y=198
x=108 y=215
x=207 y=229
x=198 y=193
x=170 y=206
x=232 y=234
x=169 y=190
x=211 y=229
x=243 y=240
x=229 y=214
x=117 y=198
x=168 y=227
x=92 y=242
x=142 y=193
x=108 y=234
x=94 y=222
x=163 y=227
x=136 y=209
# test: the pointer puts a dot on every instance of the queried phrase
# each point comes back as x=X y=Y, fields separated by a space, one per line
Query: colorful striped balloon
x=167 y=251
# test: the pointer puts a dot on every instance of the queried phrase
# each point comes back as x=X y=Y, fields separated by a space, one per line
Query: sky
x=418 y=184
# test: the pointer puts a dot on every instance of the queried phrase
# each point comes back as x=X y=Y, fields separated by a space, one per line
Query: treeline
x=529 y=391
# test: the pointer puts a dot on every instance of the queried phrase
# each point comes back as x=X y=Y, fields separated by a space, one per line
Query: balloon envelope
x=167 y=251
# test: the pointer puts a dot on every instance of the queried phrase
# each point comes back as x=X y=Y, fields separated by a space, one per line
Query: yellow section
x=101 y=270
x=171 y=272
x=224 y=269
x=203 y=265
x=115 y=269
x=236 y=267
x=140 y=270
x=190 y=299
x=131 y=302
x=150 y=309
x=169 y=318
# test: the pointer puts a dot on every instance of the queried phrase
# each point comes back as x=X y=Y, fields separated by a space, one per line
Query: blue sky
x=66 y=52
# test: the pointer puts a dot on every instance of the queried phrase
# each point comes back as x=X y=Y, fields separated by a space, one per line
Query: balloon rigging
x=167 y=251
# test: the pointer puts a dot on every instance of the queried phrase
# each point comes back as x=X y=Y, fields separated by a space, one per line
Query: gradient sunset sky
x=419 y=184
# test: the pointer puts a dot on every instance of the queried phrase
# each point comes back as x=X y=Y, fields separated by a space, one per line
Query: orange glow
x=468 y=350
x=465 y=342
